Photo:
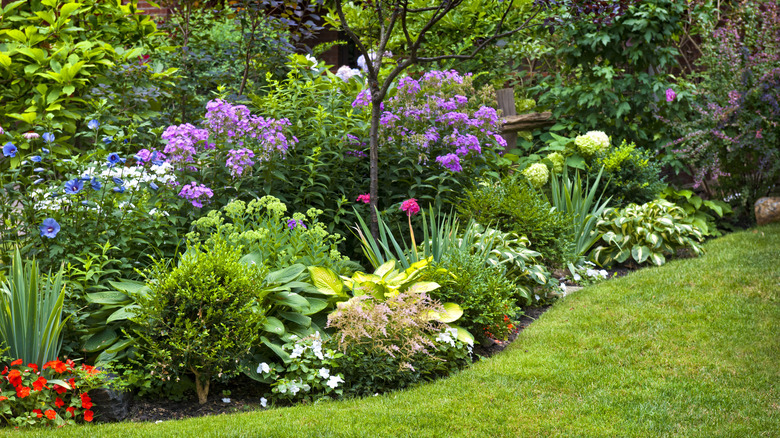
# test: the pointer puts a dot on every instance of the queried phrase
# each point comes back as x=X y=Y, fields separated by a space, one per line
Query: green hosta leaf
x=108 y=298
x=423 y=286
x=640 y=253
x=274 y=325
x=297 y=318
x=463 y=334
x=315 y=305
x=654 y=239
x=452 y=312
x=119 y=346
x=124 y=313
x=623 y=255
x=291 y=299
x=385 y=269
x=657 y=259
x=326 y=281
x=276 y=348
x=100 y=340
x=129 y=286
x=285 y=275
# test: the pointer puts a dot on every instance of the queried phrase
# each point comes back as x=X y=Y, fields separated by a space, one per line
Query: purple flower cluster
x=183 y=141
x=196 y=193
x=239 y=160
x=450 y=161
x=238 y=126
x=363 y=99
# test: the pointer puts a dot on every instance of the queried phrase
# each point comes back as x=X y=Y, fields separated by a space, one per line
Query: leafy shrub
x=203 y=316
x=647 y=232
x=512 y=205
x=52 y=52
x=485 y=293
x=728 y=141
x=393 y=344
x=279 y=241
x=29 y=398
x=702 y=213
x=631 y=175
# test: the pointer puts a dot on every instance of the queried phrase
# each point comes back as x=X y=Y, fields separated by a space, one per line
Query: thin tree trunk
x=374 y=159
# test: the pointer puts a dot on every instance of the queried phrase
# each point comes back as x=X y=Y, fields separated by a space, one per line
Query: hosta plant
x=646 y=233
x=701 y=212
x=53 y=395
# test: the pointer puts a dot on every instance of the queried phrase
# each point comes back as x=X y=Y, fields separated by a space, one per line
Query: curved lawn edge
x=687 y=349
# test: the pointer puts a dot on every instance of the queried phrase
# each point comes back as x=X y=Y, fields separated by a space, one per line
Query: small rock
x=111 y=405
x=767 y=210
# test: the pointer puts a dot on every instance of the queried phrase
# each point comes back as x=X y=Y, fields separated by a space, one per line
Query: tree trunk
x=374 y=159
x=202 y=388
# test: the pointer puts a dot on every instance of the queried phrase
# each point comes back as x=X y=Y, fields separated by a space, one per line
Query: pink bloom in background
x=410 y=207
x=30 y=135
x=364 y=198
x=670 y=95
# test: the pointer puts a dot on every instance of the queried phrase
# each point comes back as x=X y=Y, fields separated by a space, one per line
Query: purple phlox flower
x=450 y=161
x=363 y=99
x=196 y=193
x=9 y=150
x=239 y=160
x=454 y=118
x=143 y=156
x=49 y=228
x=670 y=95
x=465 y=143
x=500 y=140
x=293 y=223
x=409 y=85
x=388 y=118
x=182 y=141
x=36 y=158
x=74 y=186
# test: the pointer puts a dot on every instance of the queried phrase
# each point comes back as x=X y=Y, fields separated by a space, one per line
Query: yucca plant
x=569 y=197
x=31 y=313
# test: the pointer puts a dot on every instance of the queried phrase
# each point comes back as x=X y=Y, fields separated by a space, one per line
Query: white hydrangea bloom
x=345 y=73
x=537 y=174
x=592 y=142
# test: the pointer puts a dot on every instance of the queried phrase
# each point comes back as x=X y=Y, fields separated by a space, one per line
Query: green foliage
x=645 y=233
x=632 y=175
x=52 y=52
x=275 y=240
x=391 y=344
x=512 y=205
x=702 y=213
x=612 y=77
x=203 y=316
x=31 y=312
x=485 y=293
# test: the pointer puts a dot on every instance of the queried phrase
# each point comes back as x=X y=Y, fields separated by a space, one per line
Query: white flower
x=313 y=60
x=345 y=73
x=446 y=337
x=226 y=400
x=361 y=61
x=537 y=297
x=603 y=273
x=263 y=402
x=334 y=381
x=324 y=373
x=294 y=388
x=576 y=277
x=297 y=351
x=263 y=368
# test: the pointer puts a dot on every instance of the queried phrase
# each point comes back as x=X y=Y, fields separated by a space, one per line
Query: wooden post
x=506 y=103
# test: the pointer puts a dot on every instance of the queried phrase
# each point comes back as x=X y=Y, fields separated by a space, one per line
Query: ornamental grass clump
x=202 y=317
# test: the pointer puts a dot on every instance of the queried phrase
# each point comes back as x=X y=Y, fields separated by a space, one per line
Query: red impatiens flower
x=86 y=402
x=60 y=389
x=22 y=391
x=5 y=370
x=59 y=402
x=33 y=366
x=15 y=378
x=88 y=415
x=16 y=362
x=38 y=413
x=72 y=411
x=2 y=398
x=39 y=384
x=90 y=369
x=51 y=414
x=57 y=365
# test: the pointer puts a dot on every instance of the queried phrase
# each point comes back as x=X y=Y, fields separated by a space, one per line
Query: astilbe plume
x=398 y=327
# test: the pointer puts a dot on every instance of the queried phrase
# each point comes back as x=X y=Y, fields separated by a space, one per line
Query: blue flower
x=108 y=140
x=119 y=189
x=96 y=184
x=93 y=124
x=49 y=228
x=45 y=151
x=153 y=186
x=9 y=150
x=114 y=159
x=85 y=177
x=38 y=169
x=36 y=158
x=118 y=181
x=38 y=181
x=74 y=186
x=48 y=137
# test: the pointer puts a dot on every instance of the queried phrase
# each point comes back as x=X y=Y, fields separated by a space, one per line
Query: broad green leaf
x=463 y=335
x=68 y=9
x=385 y=269
x=5 y=60
x=16 y=34
x=315 y=305
x=111 y=297
x=640 y=253
x=274 y=325
x=129 y=286
x=297 y=318
x=422 y=287
x=291 y=299
x=285 y=275
x=276 y=349
x=119 y=346
x=657 y=259
x=326 y=281
x=122 y=314
x=100 y=340
x=452 y=312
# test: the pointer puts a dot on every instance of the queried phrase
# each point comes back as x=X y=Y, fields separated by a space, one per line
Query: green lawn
x=689 y=349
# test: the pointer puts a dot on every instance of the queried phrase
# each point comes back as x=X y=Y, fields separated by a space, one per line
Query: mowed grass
x=690 y=349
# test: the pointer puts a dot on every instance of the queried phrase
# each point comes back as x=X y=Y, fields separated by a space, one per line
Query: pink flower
x=670 y=95
x=410 y=207
x=30 y=135
x=364 y=198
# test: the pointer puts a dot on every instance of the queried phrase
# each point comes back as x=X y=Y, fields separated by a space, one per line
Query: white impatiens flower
x=226 y=400
x=263 y=402
x=263 y=368
x=324 y=373
x=294 y=388
x=297 y=351
x=592 y=142
x=312 y=60
x=334 y=381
